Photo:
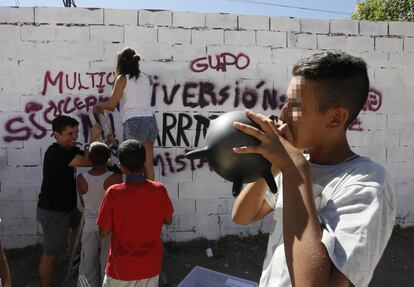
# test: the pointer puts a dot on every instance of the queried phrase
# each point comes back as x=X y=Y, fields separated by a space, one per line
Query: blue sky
x=342 y=8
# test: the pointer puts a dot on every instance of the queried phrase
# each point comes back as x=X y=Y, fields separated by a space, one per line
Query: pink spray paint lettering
x=373 y=104
x=204 y=94
x=176 y=129
x=24 y=128
x=374 y=100
x=77 y=81
x=220 y=62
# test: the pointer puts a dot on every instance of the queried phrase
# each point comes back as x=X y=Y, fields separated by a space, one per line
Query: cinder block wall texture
x=62 y=60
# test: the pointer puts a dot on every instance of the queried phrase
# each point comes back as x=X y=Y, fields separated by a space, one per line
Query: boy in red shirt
x=134 y=211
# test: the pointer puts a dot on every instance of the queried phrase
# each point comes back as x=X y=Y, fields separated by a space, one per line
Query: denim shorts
x=56 y=226
x=140 y=128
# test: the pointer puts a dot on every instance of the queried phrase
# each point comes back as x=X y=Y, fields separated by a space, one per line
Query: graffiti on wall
x=70 y=83
x=205 y=94
x=76 y=93
x=220 y=62
x=373 y=104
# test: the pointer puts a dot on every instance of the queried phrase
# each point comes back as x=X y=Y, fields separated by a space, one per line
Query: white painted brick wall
x=85 y=16
x=347 y=27
x=174 y=36
x=401 y=28
x=18 y=192
x=240 y=38
x=374 y=58
x=407 y=138
x=188 y=52
x=270 y=71
x=23 y=157
x=400 y=121
x=270 y=38
x=253 y=22
x=120 y=17
x=106 y=34
x=207 y=37
x=314 y=26
x=224 y=21
x=188 y=20
x=140 y=34
x=11 y=66
x=285 y=24
x=373 y=28
x=149 y=51
x=17 y=15
x=331 y=42
x=79 y=34
x=87 y=40
x=301 y=40
x=10 y=33
x=38 y=33
x=154 y=17
x=400 y=154
x=360 y=43
x=405 y=59
x=16 y=52
x=407 y=76
x=11 y=209
x=288 y=56
x=388 y=44
x=408 y=44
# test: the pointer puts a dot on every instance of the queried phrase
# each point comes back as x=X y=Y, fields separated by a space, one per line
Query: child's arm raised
x=83 y=160
x=117 y=92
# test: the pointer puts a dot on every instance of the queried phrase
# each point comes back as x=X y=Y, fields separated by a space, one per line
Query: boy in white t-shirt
x=334 y=212
x=91 y=187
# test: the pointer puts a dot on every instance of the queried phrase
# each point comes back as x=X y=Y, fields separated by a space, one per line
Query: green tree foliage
x=385 y=10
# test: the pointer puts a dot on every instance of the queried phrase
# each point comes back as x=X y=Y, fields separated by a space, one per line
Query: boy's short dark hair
x=342 y=78
x=99 y=153
x=132 y=155
x=61 y=122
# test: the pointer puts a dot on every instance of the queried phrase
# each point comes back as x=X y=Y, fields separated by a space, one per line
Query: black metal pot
x=238 y=168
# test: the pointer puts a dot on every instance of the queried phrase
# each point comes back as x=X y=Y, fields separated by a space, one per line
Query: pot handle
x=197 y=153
x=237 y=187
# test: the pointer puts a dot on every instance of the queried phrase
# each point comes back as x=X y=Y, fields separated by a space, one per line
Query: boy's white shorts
x=149 y=282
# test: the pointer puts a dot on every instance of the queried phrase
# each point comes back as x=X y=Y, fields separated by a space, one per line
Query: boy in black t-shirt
x=56 y=209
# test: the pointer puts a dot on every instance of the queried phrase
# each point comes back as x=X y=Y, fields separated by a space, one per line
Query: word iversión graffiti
x=202 y=94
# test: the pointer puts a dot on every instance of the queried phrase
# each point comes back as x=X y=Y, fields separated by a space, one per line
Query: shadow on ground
x=240 y=257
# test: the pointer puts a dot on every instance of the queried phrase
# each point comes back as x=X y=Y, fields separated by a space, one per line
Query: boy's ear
x=338 y=117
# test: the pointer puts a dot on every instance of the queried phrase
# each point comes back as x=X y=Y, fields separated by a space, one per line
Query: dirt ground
x=240 y=257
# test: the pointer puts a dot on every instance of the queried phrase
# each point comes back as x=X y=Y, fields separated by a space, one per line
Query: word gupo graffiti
x=220 y=62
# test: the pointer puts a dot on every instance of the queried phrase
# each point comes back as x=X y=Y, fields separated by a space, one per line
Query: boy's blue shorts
x=140 y=128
